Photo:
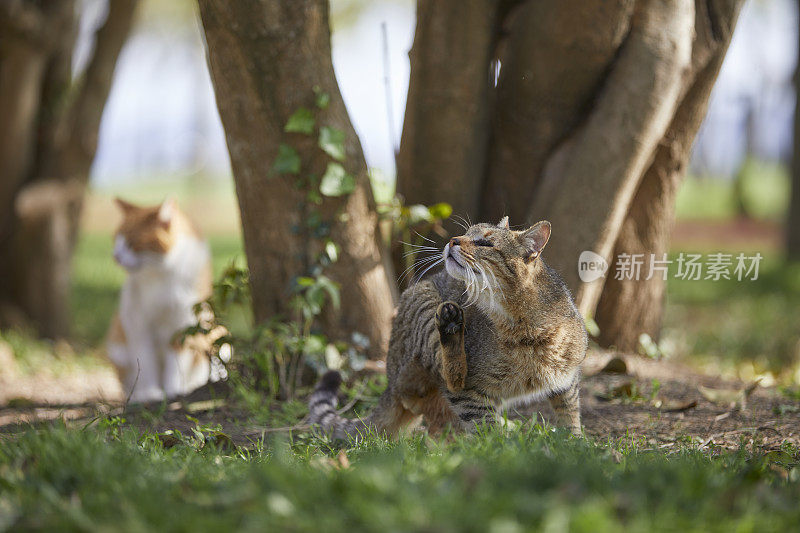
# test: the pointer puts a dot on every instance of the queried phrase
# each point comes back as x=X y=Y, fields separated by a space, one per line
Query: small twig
x=135 y=381
x=387 y=83
x=739 y=430
x=723 y=416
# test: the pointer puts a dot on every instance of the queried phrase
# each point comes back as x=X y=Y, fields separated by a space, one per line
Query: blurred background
x=161 y=136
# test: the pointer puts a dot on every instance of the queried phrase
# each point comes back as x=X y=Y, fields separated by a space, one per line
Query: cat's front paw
x=449 y=318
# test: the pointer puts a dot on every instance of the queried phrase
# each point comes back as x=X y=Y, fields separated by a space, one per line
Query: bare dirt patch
x=656 y=403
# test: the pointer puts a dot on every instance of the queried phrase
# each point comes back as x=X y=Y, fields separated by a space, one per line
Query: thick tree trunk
x=597 y=170
x=49 y=139
x=628 y=308
x=446 y=128
x=265 y=58
x=793 y=218
x=554 y=62
x=595 y=111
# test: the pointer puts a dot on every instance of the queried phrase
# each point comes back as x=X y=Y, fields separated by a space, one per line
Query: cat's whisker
x=423 y=237
x=413 y=252
x=424 y=246
x=474 y=292
x=417 y=264
x=458 y=219
x=427 y=269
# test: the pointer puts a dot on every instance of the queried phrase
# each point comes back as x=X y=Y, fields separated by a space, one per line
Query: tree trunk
x=597 y=170
x=265 y=57
x=49 y=127
x=554 y=62
x=628 y=308
x=442 y=154
x=793 y=218
x=592 y=120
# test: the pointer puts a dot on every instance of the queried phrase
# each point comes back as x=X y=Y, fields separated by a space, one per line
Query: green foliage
x=331 y=140
x=336 y=181
x=524 y=480
x=271 y=357
x=301 y=121
x=321 y=98
x=287 y=161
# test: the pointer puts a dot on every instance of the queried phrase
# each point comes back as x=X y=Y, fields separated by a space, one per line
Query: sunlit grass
x=733 y=323
x=532 y=479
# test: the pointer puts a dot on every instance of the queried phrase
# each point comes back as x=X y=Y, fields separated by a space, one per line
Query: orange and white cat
x=169 y=271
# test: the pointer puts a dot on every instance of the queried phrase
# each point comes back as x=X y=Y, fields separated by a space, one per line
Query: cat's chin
x=454 y=269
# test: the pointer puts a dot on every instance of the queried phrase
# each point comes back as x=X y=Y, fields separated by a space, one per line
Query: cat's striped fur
x=496 y=325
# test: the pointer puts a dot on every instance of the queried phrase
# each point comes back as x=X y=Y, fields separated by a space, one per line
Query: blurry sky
x=161 y=118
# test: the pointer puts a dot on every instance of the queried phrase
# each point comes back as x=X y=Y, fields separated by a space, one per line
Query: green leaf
x=331 y=141
x=441 y=211
x=332 y=288
x=336 y=181
x=314 y=344
x=332 y=249
x=321 y=98
x=301 y=121
x=287 y=161
x=304 y=281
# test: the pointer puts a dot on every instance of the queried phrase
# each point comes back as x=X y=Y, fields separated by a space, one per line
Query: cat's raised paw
x=449 y=318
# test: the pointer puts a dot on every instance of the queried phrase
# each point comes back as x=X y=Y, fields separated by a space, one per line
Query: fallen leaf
x=676 y=407
x=169 y=439
x=221 y=440
x=344 y=462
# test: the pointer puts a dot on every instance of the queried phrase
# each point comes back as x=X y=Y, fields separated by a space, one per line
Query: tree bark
x=265 y=57
x=597 y=170
x=793 y=217
x=442 y=154
x=50 y=127
x=592 y=120
x=628 y=308
x=554 y=62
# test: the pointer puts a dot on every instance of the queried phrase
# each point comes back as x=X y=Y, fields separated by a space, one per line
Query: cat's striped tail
x=322 y=411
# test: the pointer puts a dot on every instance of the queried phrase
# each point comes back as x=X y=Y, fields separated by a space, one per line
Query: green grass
x=113 y=475
x=764 y=194
x=110 y=478
x=735 y=322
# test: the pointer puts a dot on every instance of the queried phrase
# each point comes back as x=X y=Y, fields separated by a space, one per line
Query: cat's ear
x=166 y=211
x=125 y=207
x=535 y=239
x=503 y=224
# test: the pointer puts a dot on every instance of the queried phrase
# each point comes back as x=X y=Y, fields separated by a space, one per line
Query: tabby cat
x=169 y=271
x=497 y=325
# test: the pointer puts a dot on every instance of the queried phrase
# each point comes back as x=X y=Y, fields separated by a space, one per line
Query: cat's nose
x=455 y=241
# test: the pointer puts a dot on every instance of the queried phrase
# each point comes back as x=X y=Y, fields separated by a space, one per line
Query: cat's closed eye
x=482 y=242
